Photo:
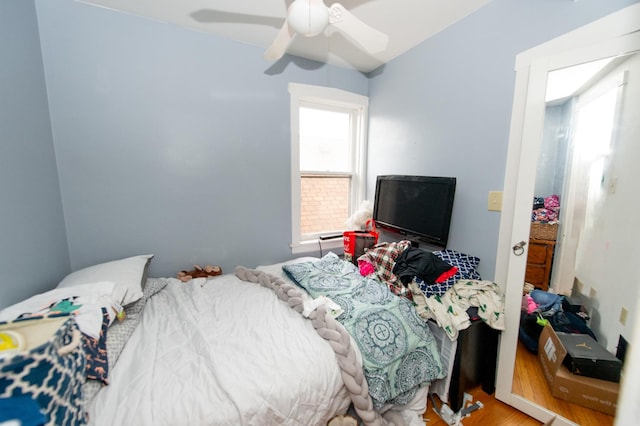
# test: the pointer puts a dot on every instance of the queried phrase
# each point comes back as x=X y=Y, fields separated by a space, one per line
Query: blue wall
x=444 y=108
x=170 y=141
x=33 y=246
x=175 y=142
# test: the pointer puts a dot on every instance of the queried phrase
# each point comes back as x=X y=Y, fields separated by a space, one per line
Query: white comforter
x=227 y=353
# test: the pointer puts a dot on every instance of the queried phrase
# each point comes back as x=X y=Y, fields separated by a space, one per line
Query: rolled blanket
x=337 y=336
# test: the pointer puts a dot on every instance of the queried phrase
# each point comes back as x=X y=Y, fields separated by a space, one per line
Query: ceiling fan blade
x=370 y=39
x=280 y=43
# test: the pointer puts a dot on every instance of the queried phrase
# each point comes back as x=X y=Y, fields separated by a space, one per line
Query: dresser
x=539 y=262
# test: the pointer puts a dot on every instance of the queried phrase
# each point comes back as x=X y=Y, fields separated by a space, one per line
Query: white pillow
x=127 y=274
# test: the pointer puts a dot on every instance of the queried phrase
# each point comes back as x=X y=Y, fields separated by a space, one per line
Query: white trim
x=326 y=97
x=315 y=246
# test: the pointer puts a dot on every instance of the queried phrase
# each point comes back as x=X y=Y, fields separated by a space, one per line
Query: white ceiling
x=256 y=22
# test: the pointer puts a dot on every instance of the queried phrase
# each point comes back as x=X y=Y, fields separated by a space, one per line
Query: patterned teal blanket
x=398 y=350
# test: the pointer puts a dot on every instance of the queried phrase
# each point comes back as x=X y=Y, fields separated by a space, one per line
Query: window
x=328 y=134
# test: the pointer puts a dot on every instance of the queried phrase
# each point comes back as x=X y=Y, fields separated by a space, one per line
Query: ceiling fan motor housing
x=308 y=17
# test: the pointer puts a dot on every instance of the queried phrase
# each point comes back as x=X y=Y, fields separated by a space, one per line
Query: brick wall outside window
x=324 y=203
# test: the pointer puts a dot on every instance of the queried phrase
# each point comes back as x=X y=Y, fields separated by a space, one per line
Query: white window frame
x=327 y=97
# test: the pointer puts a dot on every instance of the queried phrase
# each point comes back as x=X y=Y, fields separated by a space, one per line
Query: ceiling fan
x=309 y=18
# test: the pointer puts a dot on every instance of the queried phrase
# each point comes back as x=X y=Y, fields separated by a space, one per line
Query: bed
x=221 y=352
x=251 y=347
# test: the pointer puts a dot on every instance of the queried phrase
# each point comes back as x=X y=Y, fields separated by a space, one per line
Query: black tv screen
x=415 y=206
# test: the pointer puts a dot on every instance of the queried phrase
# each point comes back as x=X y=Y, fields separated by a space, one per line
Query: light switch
x=495 y=201
x=623 y=315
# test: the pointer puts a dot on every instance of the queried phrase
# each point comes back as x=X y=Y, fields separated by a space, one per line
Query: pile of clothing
x=540 y=306
x=546 y=209
x=399 y=263
x=443 y=285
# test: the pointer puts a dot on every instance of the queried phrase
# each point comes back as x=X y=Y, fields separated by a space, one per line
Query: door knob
x=518 y=249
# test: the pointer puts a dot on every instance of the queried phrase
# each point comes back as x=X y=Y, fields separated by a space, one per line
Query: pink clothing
x=528 y=304
x=365 y=267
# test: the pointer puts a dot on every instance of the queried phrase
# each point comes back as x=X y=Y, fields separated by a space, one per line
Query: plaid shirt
x=383 y=257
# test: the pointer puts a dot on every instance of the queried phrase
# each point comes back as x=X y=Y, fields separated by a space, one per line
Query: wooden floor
x=494 y=412
x=529 y=382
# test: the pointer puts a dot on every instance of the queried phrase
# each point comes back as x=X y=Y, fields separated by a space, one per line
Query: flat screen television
x=418 y=207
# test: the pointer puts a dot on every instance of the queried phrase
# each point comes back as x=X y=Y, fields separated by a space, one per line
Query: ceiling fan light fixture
x=307 y=17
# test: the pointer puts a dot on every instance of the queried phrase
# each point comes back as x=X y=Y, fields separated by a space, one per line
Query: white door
x=607 y=37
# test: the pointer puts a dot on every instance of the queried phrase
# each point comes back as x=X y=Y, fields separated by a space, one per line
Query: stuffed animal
x=199 y=272
x=359 y=218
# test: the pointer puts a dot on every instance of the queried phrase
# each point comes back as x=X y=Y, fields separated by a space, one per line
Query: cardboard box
x=597 y=394
x=586 y=357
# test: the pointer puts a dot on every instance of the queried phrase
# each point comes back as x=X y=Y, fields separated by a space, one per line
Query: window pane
x=328 y=138
x=324 y=203
x=324 y=140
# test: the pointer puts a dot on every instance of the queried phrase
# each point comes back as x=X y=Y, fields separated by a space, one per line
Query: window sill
x=314 y=246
